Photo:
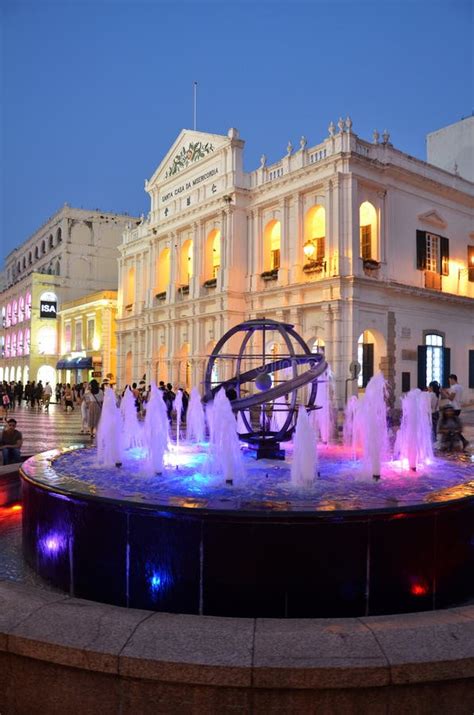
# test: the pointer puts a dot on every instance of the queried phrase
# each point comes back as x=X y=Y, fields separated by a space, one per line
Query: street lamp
x=309 y=249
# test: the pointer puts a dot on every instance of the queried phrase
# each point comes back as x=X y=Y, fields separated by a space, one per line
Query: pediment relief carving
x=433 y=218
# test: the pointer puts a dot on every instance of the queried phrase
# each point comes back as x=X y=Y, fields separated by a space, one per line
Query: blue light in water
x=155 y=582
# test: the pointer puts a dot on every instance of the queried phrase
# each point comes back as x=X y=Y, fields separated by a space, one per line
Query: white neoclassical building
x=367 y=251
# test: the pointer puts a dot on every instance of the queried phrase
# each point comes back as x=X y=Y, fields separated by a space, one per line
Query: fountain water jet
x=413 y=444
x=371 y=424
x=110 y=432
x=195 y=421
x=156 y=431
x=131 y=427
x=305 y=455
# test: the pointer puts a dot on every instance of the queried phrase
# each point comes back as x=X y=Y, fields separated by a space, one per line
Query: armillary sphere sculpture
x=256 y=377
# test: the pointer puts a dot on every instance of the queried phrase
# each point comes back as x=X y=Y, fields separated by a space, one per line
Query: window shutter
x=446 y=365
x=367 y=363
x=444 y=254
x=421 y=366
x=471 y=370
x=421 y=250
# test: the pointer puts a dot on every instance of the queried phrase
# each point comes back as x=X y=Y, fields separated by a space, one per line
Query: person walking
x=434 y=390
x=454 y=394
x=19 y=392
x=10 y=442
x=27 y=393
x=47 y=394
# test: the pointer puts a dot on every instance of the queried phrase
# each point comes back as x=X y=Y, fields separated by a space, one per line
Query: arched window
x=51 y=241
x=368 y=231
x=30 y=258
x=213 y=253
x=18 y=267
x=163 y=271
x=7 y=345
x=14 y=313
x=8 y=320
x=186 y=264
x=59 y=236
x=36 y=252
x=318 y=346
x=130 y=287
x=4 y=318
x=315 y=233
x=26 y=346
x=43 y=247
x=21 y=309
x=13 y=345
x=24 y=262
x=19 y=348
x=271 y=245
x=58 y=268
x=28 y=306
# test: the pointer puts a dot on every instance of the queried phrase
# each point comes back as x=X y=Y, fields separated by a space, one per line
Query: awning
x=79 y=363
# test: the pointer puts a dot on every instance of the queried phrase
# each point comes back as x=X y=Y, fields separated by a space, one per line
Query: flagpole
x=195 y=103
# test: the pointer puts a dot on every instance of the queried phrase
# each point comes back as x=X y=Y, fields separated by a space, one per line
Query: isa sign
x=48 y=309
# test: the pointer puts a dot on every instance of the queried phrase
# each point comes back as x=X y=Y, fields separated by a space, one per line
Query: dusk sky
x=94 y=94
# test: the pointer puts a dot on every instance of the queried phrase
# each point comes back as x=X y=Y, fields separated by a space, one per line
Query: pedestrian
x=47 y=394
x=68 y=398
x=19 y=392
x=27 y=393
x=454 y=395
x=11 y=441
x=168 y=397
x=94 y=399
x=39 y=393
x=32 y=394
x=58 y=392
x=434 y=390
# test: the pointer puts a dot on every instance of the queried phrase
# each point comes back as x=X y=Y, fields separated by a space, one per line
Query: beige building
x=87 y=338
x=369 y=252
x=73 y=254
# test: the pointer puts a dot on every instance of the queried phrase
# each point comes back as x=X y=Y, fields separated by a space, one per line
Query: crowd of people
x=445 y=414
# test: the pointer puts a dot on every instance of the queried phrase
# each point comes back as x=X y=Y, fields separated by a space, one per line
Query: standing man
x=454 y=395
x=11 y=441
x=47 y=394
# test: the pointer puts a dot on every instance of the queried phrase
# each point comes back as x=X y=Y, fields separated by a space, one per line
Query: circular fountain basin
x=185 y=542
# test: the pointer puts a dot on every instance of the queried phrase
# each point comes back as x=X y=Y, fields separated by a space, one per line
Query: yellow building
x=87 y=338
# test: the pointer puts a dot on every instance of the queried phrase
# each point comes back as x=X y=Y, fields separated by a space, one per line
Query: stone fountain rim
x=47 y=458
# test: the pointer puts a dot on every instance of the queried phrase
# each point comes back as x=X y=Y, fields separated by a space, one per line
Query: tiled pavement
x=47 y=430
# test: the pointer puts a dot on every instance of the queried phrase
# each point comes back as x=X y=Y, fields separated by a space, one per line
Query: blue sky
x=94 y=93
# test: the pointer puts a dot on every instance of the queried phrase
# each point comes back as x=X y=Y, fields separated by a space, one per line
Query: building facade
x=367 y=251
x=88 y=339
x=452 y=148
x=73 y=254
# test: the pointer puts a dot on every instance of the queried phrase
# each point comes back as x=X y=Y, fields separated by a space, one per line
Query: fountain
x=228 y=527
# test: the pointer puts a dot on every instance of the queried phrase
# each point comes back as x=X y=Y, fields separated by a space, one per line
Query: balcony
x=210 y=283
x=160 y=297
x=271 y=275
x=316 y=266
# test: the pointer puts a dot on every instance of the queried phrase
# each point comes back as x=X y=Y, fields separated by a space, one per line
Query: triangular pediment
x=433 y=218
x=189 y=148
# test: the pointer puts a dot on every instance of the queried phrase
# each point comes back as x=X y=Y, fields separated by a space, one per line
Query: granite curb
x=238 y=653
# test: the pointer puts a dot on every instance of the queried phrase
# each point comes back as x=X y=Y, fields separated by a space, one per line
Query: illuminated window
x=368 y=231
x=13 y=345
x=67 y=338
x=432 y=253
x=21 y=309
x=186 y=262
x=213 y=253
x=365 y=357
x=14 y=313
x=26 y=346
x=8 y=320
x=19 y=349
x=28 y=306
x=130 y=287
x=434 y=358
x=272 y=245
x=315 y=233
x=90 y=333
x=78 y=336
x=7 y=346
x=163 y=271
x=47 y=340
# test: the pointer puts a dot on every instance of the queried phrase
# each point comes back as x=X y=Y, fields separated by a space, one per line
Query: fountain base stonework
x=346 y=547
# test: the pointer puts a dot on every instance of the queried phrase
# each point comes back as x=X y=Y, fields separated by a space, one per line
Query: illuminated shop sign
x=48 y=305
